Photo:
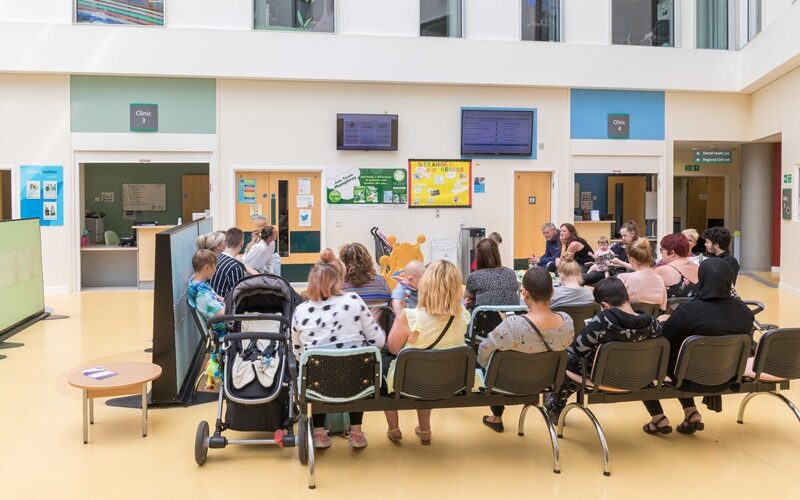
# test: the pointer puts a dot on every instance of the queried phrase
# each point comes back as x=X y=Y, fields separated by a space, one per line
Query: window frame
x=463 y=11
x=287 y=29
x=675 y=26
x=561 y=24
x=731 y=26
x=162 y=25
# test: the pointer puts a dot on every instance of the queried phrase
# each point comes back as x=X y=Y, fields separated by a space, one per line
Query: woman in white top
x=259 y=253
x=333 y=319
x=439 y=302
x=571 y=290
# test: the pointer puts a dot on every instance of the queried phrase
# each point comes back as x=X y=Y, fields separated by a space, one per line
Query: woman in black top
x=713 y=312
x=574 y=244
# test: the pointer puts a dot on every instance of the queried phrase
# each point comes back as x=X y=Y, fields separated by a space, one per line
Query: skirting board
x=789 y=288
x=60 y=289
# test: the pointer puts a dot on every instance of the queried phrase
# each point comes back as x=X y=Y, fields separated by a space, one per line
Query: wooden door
x=715 y=205
x=633 y=197
x=532 y=203
x=696 y=203
x=5 y=194
x=195 y=189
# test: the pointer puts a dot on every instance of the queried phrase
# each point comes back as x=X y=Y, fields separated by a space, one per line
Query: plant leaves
x=300 y=19
x=308 y=21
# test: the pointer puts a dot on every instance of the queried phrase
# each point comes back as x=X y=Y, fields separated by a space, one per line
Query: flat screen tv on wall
x=497 y=132
x=359 y=132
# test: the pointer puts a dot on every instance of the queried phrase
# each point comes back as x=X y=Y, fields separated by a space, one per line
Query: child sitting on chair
x=602 y=256
x=404 y=294
x=205 y=301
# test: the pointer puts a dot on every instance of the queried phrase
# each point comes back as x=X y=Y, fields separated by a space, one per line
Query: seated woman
x=539 y=330
x=492 y=284
x=360 y=277
x=713 y=312
x=571 y=290
x=692 y=236
x=643 y=284
x=332 y=319
x=438 y=322
x=678 y=272
x=260 y=251
x=574 y=244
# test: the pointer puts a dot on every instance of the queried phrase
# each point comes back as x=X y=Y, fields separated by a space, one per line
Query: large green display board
x=21 y=282
x=371 y=186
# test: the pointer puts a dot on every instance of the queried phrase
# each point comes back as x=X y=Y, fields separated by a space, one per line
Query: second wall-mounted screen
x=497 y=132
x=357 y=132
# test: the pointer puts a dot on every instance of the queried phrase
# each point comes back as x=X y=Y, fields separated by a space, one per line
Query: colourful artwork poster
x=247 y=190
x=440 y=183
x=42 y=194
x=368 y=186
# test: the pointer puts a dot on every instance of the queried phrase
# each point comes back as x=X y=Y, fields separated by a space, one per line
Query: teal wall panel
x=108 y=178
x=102 y=103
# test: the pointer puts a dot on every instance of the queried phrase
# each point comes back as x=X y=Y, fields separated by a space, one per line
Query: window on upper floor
x=753 y=18
x=713 y=17
x=440 y=18
x=643 y=22
x=294 y=15
x=541 y=20
x=143 y=12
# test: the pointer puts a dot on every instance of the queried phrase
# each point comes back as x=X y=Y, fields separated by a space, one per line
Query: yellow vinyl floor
x=42 y=454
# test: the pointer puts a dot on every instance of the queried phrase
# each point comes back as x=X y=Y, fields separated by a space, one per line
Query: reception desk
x=146 y=259
x=592 y=230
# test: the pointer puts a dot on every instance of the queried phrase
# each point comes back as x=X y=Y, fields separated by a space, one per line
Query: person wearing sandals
x=333 y=319
x=539 y=330
x=713 y=312
x=438 y=322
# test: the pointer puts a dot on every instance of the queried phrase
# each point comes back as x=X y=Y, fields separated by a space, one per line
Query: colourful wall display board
x=368 y=186
x=440 y=183
x=147 y=12
x=42 y=194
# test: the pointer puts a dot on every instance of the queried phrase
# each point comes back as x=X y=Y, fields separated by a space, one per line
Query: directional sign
x=619 y=126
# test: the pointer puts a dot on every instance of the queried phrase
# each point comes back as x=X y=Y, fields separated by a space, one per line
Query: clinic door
x=532 y=205
x=195 y=195
x=291 y=203
x=705 y=202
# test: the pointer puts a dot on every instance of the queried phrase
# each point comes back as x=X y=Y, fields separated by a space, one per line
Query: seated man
x=229 y=269
x=718 y=243
x=617 y=321
x=552 y=248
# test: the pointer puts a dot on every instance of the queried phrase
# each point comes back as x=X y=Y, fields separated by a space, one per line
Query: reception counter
x=592 y=230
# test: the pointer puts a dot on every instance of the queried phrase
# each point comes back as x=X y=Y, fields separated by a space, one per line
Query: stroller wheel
x=302 y=440
x=201 y=443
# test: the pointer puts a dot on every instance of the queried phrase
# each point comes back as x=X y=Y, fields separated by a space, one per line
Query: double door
x=291 y=203
x=532 y=208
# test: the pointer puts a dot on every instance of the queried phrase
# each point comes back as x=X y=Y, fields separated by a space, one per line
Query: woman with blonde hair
x=643 y=284
x=571 y=290
x=333 y=319
x=438 y=322
x=214 y=241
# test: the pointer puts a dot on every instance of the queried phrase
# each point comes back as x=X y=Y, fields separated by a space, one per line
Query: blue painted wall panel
x=589 y=110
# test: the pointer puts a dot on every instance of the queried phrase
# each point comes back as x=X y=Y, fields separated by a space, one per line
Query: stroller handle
x=278 y=337
x=249 y=317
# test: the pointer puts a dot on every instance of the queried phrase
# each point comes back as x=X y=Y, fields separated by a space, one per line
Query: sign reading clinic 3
x=362 y=186
x=144 y=117
x=42 y=194
x=619 y=126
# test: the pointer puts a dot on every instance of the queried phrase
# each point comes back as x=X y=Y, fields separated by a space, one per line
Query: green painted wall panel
x=102 y=103
x=108 y=178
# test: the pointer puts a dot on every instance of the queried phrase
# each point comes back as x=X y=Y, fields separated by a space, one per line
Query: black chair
x=432 y=375
x=618 y=367
x=487 y=318
x=758 y=307
x=712 y=361
x=579 y=313
x=513 y=373
x=777 y=360
x=675 y=302
x=653 y=310
x=385 y=318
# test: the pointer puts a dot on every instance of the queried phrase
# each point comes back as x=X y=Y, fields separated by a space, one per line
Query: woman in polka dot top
x=332 y=319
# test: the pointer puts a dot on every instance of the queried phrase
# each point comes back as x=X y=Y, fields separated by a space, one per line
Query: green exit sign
x=787 y=178
x=691 y=168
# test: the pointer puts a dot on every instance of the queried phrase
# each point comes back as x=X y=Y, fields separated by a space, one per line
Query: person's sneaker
x=321 y=439
x=553 y=405
x=357 y=440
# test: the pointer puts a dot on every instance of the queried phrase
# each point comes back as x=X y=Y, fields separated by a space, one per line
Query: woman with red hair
x=678 y=271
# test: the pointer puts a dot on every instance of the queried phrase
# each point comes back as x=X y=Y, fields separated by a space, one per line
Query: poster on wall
x=440 y=183
x=247 y=190
x=363 y=186
x=42 y=194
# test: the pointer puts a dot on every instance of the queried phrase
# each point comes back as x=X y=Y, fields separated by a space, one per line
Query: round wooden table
x=130 y=378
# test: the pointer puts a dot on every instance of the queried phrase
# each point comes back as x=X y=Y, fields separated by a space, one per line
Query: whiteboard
x=144 y=197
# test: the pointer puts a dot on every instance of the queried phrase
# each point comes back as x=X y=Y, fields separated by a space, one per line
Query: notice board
x=440 y=183
x=365 y=186
x=144 y=197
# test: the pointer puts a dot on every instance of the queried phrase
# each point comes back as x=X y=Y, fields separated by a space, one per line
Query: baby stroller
x=382 y=246
x=255 y=356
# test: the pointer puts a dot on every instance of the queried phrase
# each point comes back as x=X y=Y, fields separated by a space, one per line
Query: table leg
x=85 y=404
x=144 y=409
x=91 y=410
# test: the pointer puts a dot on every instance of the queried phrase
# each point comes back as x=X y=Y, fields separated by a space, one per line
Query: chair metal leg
x=312 y=477
x=598 y=429
x=522 y=416
x=786 y=401
x=553 y=440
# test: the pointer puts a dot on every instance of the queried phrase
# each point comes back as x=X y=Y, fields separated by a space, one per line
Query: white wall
x=587 y=21
x=773 y=53
x=35 y=131
x=492 y=19
x=231 y=14
x=772 y=10
x=283 y=124
x=378 y=17
x=38 y=11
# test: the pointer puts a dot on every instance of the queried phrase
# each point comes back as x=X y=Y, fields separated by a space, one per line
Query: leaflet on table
x=98 y=373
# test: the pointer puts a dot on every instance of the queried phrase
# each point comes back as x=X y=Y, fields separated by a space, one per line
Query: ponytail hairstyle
x=210 y=241
x=326 y=277
x=569 y=267
x=640 y=251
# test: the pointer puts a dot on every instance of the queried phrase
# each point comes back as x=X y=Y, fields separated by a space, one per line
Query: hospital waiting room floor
x=42 y=454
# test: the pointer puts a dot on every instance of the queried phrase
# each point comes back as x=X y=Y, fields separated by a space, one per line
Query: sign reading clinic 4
x=42 y=194
x=619 y=126
x=144 y=117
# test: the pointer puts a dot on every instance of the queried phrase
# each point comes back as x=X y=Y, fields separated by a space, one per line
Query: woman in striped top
x=361 y=279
